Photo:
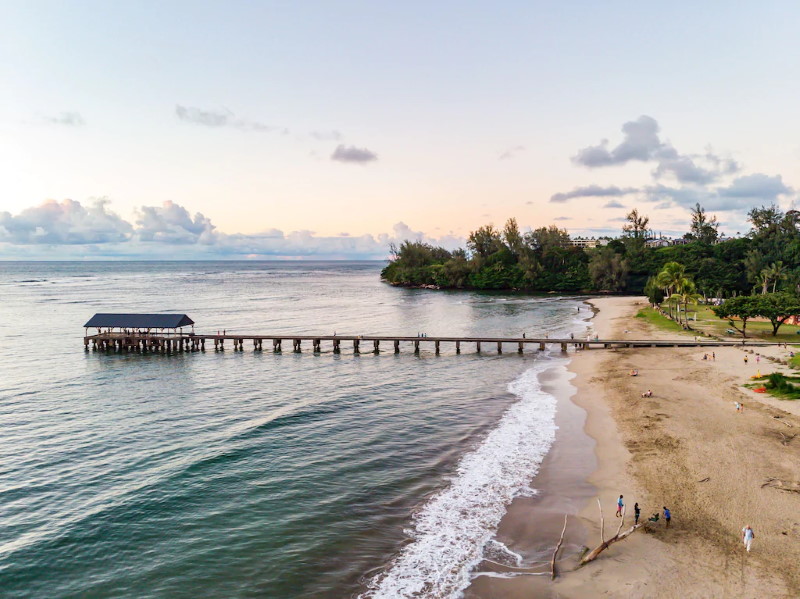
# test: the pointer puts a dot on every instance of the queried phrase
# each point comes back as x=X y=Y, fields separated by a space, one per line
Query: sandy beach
x=686 y=448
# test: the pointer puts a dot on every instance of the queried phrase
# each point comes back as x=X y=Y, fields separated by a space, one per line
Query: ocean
x=257 y=474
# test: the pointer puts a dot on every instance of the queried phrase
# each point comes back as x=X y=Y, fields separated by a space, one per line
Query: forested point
x=767 y=258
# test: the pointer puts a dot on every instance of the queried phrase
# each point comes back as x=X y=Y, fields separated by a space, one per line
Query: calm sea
x=259 y=474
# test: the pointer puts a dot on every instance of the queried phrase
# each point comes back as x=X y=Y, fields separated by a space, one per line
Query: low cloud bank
x=71 y=230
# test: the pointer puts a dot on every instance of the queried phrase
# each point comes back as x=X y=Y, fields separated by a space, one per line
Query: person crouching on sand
x=747 y=537
x=647 y=393
x=620 y=505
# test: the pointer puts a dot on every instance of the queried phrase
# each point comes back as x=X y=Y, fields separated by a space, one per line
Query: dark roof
x=140 y=321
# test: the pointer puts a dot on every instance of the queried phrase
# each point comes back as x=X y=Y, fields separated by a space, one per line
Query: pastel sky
x=328 y=129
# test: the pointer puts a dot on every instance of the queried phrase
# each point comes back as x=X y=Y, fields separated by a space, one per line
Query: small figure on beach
x=713 y=355
x=620 y=505
x=747 y=537
x=653 y=518
x=523 y=335
x=647 y=393
x=572 y=335
x=741 y=407
x=745 y=359
x=667 y=516
x=634 y=372
x=705 y=356
x=738 y=405
x=636 y=512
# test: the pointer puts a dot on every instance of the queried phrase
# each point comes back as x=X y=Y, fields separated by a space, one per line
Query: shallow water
x=258 y=474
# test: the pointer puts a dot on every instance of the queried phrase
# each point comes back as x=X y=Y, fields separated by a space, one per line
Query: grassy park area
x=708 y=323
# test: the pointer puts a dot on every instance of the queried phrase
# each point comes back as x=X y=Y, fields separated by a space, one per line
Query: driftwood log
x=561 y=540
x=592 y=555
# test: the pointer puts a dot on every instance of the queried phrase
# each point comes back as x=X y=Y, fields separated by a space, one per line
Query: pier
x=356 y=344
x=164 y=334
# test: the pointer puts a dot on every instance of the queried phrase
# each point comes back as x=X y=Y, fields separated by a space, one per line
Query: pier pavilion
x=140 y=332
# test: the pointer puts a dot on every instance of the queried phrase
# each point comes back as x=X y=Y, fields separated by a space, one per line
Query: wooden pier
x=141 y=342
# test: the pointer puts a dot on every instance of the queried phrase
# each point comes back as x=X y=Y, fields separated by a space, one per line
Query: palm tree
x=778 y=272
x=670 y=278
x=686 y=294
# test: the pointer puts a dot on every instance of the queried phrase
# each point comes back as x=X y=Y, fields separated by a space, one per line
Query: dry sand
x=686 y=448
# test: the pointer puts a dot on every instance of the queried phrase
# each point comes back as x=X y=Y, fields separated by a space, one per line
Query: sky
x=330 y=129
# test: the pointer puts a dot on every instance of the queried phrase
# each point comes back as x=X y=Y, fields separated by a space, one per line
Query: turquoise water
x=256 y=474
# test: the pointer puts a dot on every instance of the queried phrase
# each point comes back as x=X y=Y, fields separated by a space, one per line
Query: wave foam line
x=451 y=530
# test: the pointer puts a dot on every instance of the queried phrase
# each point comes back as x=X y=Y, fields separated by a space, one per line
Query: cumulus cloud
x=642 y=143
x=222 y=118
x=592 y=191
x=64 y=223
x=170 y=230
x=70 y=119
x=511 y=152
x=679 y=180
x=353 y=154
x=171 y=223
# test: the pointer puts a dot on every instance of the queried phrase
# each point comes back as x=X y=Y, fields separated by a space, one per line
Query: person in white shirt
x=747 y=537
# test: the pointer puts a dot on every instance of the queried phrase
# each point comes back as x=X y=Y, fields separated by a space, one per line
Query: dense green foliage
x=780 y=385
x=766 y=260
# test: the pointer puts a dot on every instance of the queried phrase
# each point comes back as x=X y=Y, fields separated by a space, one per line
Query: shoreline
x=533 y=524
x=687 y=448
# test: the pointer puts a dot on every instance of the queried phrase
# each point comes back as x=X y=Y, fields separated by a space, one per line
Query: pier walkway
x=142 y=342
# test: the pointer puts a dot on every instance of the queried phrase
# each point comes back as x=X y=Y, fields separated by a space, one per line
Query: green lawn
x=710 y=324
x=654 y=318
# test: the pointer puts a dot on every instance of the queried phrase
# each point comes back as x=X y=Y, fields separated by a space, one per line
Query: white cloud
x=64 y=223
x=170 y=231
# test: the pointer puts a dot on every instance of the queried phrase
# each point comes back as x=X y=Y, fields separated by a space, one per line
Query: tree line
x=765 y=260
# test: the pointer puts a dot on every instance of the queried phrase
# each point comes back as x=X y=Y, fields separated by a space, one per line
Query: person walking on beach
x=713 y=355
x=620 y=505
x=636 y=512
x=667 y=515
x=747 y=537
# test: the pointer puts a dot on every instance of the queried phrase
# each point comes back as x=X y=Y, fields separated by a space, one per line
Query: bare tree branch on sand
x=592 y=555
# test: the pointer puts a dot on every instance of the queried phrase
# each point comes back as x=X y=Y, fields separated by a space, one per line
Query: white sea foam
x=450 y=531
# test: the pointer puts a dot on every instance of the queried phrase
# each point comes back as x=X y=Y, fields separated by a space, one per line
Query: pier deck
x=169 y=343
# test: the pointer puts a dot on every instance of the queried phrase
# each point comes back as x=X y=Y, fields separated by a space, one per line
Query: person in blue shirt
x=620 y=505
x=667 y=515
